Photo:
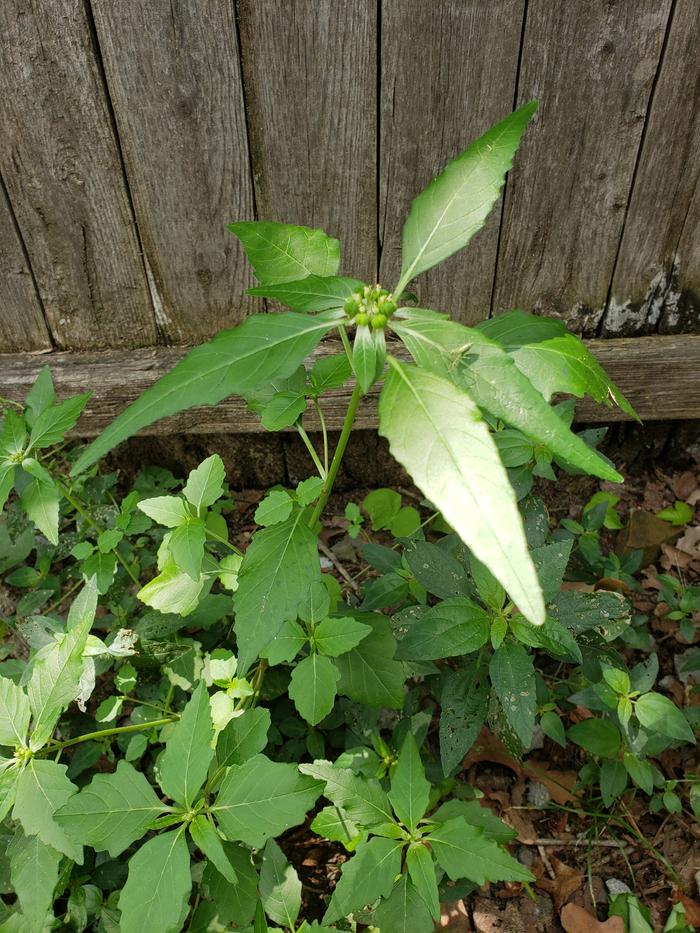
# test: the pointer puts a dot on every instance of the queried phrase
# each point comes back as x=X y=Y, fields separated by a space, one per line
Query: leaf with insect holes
x=112 y=811
x=435 y=430
x=158 y=887
x=282 y=253
x=455 y=626
x=446 y=214
x=513 y=680
x=234 y=362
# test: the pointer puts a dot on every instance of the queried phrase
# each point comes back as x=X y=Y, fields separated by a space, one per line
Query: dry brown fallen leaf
x=575 y=919
x=691 y=906
x=454 y=918
x=566 y=882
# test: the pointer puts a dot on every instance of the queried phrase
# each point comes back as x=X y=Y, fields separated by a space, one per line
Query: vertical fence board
x=173 y=72
x=60 y=162
x=657 y=277
x=310 y=85
x=439 y=92
x=22 y=324
x=567 y=195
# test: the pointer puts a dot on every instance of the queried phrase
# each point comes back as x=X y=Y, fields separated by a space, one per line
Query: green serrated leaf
x=205 y=484
x=369 y=673
x=313 y=293
x=262 y=798
x=278 y=568
x=188 y=753
x=40 y=501
x=282 y=253
x=410 y=790
x=280 y=888
x=283 y=410
x=337 y=636
x=455 y=626
x=243 y=737
x=312 y=687
x=366 y=877
x=464 y=706
x=421 y=870
x=208 y=841
x=170 y=511
x=334 y=823
x=404 y=911
x=112 y=811
x=445 y=216
x=34 y=875
x=157 y=890
x=465 y=851
x=435 y=430
x=513 y=680
x=186 y=545
x=54 y=421
x=42 y=789
x=658 y=713
x=236 y=361
x=362 y=799
x=514 y=328
x=15 y=713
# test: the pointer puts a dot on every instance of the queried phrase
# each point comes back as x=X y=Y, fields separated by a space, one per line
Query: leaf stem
x=103 y=733
x=312 y=450
x=213 y=534
x=338 y=455
x=322 y=420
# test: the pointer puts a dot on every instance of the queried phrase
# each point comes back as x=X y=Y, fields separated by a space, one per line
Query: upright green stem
x=312 y=450
x=103 y=733
x=338 y=455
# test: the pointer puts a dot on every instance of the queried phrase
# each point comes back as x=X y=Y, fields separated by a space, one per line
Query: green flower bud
x=378 y=321
x=362 y=318
x=388 y=306
x=351 y=306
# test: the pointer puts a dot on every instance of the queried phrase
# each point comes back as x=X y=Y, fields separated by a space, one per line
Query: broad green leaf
x=368 y=354
x=9 y=776
x=235 y=903
x=464 y=707
x=658 y=713
x=435 y=430
x=243 y=737
x=312 y=687
x=640 y=771
x=41 y=395
x=366 y=877
x=172 y=591
x=283 y=410
x=7 y=479
x=280 y=888
x=552 y=636
x=112 y=811
x=188 y=753
x=421 y=870
x=157 y=890
x=454 y=627
x=170 y=511
x=337 y=636
x=186 y=545
x=313 y=293
x=465 y=851
x=613 y=780
x=361 y=798
x=276 y=507
x=564 y=364
x=286 y=644
x=410 y=790
x=368 y=673
x=205 y=483
x=102 y=567
x=57 y=668
x=53 y=422
x=446 y=214
x=404 y=911
x=278 y=568
x=598 y=736
x=234 y=362
x=476 y=815
x=14 y=433
x=382 y=505
x=514 y=328
x=208 y=841
x=490 y=591
x=513 y=681
x=333 y=823
x=34 y=875
x=553 y=727
x=40 y=501
x=330 y=372
x=262 y=798
x=42 y=789
x=551 y=561
x=437 y=570
x=15 y=713
x=282 y=253
x=497 y=385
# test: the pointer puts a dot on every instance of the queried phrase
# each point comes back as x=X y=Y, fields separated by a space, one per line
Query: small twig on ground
x=327 y=552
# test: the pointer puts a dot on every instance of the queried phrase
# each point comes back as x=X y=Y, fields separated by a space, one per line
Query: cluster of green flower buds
x=372 y=305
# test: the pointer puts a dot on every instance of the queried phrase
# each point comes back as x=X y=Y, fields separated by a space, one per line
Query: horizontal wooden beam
x=660 y=375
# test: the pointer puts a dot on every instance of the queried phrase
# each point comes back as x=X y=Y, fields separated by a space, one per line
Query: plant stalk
x=103 y=733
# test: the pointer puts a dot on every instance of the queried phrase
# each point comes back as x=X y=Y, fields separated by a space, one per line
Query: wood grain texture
x=174 y=78
x=61 y=165
x=567 y=194
x=310 y=74
x=22 y=324
x=657 y=374
x=657 y=277
x=439 y=92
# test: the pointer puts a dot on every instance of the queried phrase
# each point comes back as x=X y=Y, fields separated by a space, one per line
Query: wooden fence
x=133 y=131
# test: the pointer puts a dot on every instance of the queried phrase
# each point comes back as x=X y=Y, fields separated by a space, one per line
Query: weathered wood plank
x=658 y=374
x=61 y=165
x=592 y=71
x=22 y=324
x=174 y=78
x=657 y=277
x=448 y=73
x=310 y=85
